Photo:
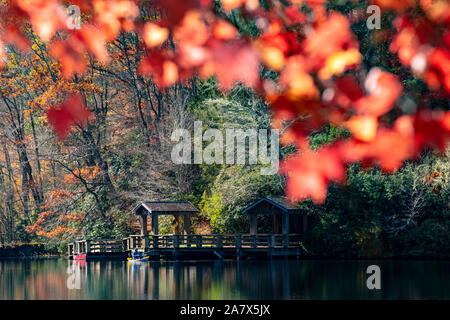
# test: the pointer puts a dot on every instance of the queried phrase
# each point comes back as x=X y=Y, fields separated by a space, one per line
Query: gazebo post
x=187 y=224
x=285 y=229
x=176 y=224
x=143 y=221
x=155 y=224
x=253 y=224
x=275 y=224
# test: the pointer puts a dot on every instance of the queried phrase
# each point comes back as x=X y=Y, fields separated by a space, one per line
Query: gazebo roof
x=165 y=207
x=281 y=203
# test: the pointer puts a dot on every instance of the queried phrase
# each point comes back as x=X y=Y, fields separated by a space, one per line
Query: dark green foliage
x=381 y=215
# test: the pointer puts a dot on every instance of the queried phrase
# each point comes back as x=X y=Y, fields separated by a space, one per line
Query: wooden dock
x=192 y=246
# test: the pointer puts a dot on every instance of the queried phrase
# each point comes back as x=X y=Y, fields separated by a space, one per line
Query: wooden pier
x=192 y=246
x=289 y=223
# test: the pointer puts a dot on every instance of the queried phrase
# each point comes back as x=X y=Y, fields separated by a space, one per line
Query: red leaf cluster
x=314 y=54
x=66 y=115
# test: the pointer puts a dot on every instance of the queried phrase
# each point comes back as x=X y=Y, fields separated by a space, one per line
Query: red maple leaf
x=309 y=173
x=235 y=61
x=64 y=116
x=431 y=129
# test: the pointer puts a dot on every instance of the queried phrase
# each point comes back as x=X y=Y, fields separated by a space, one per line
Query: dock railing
x=211 y=241
x=96 y=246
x=186 y=242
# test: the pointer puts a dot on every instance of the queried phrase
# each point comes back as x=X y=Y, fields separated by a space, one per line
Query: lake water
x=294 y=279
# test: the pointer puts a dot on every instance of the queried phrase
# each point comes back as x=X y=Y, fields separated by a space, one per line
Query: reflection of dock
x=191 y=246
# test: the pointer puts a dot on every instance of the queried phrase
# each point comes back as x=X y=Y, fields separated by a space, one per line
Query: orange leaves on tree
x=57 y=231
x=63 y=117
x=72 y=216
x=55 y=197
x=87 y=173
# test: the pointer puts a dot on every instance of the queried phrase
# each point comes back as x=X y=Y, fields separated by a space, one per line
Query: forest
x=86 y=123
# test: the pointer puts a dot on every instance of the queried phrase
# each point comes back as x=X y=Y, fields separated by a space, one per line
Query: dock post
x=145 y=243
x=188 y=240
x=238 y=241
x=271 y=241
x=219 y=241
x=155 y=241
x=271 y=244
x=286 y=240
x=176 y=243
x=238 y=246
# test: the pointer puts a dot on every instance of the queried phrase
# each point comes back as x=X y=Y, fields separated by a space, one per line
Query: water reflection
x=51 y=279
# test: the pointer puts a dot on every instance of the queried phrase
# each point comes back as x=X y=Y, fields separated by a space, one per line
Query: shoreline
x=26 y=250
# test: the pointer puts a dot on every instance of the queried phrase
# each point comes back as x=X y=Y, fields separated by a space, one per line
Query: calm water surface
x=48 y=278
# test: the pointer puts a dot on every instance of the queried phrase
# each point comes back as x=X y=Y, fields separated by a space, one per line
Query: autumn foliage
x=320 y=78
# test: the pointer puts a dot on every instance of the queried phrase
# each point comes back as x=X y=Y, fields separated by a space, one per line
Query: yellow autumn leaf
x=338 y=62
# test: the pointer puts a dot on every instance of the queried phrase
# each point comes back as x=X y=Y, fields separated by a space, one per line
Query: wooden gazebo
x=154 y=209
x=286 y=217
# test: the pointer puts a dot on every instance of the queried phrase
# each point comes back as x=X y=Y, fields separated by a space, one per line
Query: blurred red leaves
x=312 y=54
x=163 y=70
x=310 y=172
x=331 y=36
x=71 y=53
x=234 y=62
x=383 y=88
x=63 y=117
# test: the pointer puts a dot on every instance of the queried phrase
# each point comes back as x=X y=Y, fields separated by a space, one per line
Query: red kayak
x=79 y=256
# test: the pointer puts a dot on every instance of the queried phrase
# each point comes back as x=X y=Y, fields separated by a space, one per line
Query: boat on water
x=81 y=256
x=138 y=260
